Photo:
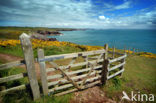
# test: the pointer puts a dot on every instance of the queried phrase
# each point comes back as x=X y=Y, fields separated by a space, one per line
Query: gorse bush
x=47 y=44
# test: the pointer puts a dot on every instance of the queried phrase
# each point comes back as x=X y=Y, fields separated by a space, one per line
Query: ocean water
x=143 y=40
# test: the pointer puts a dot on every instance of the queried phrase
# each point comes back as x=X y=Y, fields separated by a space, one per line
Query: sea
x=144 y=40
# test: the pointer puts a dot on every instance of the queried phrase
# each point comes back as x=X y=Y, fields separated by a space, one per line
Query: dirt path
x=11 y=58
x=91 y=95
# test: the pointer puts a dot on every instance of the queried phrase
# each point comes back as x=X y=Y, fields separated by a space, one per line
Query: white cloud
x=111 y=7
x=102 y=17
x=125 y=5
x=67 y=13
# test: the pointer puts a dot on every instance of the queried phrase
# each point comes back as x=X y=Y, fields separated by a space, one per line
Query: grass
x=53 y=50
x=25 y=97
x=139 y=75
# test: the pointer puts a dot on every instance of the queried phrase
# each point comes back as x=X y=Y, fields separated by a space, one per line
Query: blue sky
x=100 y=14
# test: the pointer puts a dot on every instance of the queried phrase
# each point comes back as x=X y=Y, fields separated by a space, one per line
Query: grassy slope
x=139 y=75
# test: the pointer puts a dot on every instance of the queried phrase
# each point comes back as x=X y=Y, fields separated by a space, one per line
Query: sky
x=98 y=14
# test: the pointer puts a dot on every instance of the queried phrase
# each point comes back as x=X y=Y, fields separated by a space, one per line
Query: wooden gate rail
x=74 y=65
x=120 y=59
x=63 y=81
x=11 y=64
x=71 y=55
x=12 y=77
x=66 y=83
x=85 y=77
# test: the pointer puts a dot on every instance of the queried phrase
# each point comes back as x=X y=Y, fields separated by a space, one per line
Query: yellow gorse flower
x=41 y=43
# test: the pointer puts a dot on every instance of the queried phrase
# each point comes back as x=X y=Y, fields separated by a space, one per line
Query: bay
x=144 y=40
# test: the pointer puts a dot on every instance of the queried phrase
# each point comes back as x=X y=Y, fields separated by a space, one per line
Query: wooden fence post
x=30 y=65
x=133 y=50
x=106 y=53
x=105 y=66
x=122 y=67
x=124 y=49
x=43 y=73
x=113 y=52
x=129 y=50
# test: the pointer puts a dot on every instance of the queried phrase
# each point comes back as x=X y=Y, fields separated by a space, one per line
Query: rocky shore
x=49 y=33
x=42 y=34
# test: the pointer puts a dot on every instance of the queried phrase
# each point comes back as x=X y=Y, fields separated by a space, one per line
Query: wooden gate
x=67 y=72
x=81 y=70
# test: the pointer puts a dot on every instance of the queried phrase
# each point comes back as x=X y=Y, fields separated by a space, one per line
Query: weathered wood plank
x=73 y=78
x=11 y=64
x=92 y=84
x=66 y=92
x=65 y=75
x=74 y=65
x=115 y=74
x=30 y=65
x=43 y=73
x=70 y=85
x=12 y=77
x=115 y=67
x=73 y=72
x=73 y=90
x=92 y=68
x=110 y=52
x=13 y=89
x=117 y=59
x=86 y=60
x=71 y=55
